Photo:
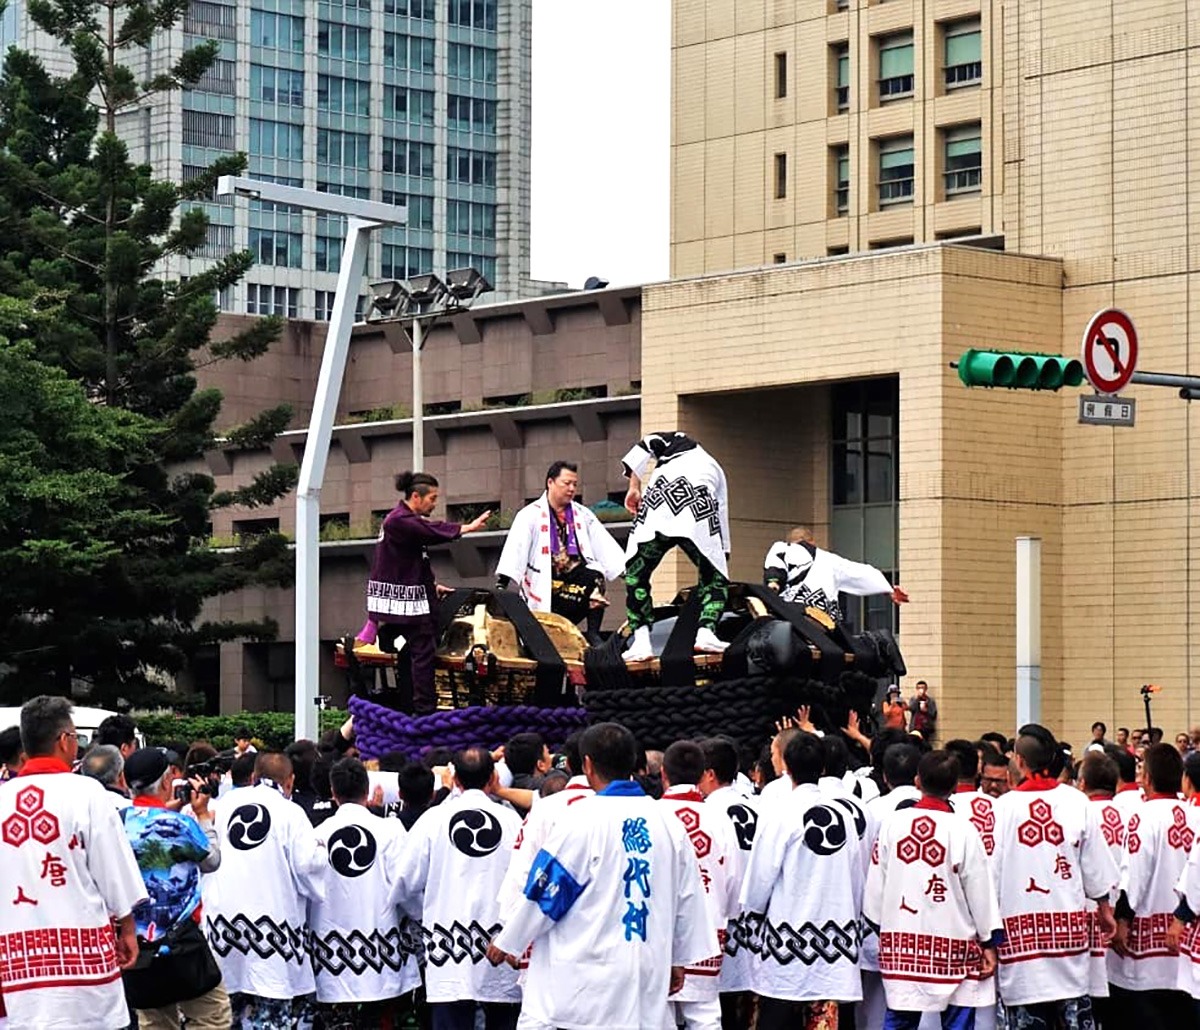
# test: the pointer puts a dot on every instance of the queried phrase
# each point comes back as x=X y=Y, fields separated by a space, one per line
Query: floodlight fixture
x=389 y=298
x=466 y=284
x=425 y=291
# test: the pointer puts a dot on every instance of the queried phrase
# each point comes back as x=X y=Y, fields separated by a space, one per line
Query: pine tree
x=113 y=579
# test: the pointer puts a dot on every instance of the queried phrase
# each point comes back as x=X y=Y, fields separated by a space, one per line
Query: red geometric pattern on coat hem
x=1044 y=935
x=904 y=955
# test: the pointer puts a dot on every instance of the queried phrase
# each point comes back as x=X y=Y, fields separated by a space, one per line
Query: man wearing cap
x=176 y=973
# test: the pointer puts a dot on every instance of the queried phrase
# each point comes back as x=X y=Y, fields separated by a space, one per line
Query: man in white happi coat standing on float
x=560 y=554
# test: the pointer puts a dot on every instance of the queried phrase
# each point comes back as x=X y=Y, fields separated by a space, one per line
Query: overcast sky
x=601 y=140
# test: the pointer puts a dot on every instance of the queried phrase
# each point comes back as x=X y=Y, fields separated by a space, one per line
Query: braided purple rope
x=379 y=730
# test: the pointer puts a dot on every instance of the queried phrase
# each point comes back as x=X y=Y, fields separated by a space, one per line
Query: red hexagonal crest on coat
x=920 y=844
x=1180 y=836
x=15 y=830
x=923 y=828
x=45 y=827
x=1112 y=826
x=1133 y=842
x=701 y=841
x=29 y=800
x=1040 y=826
x=984 y=820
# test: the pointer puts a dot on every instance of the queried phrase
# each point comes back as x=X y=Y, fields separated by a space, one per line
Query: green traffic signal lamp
x=1017 y=370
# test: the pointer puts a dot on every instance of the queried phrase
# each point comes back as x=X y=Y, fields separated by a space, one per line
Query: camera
x=183 y=792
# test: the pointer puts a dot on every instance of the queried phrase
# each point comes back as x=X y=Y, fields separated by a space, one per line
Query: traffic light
x=1019 y=371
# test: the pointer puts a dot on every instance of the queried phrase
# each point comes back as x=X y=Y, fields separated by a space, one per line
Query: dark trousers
x=954 y=1017
x=420 y=642
x=713 y=587
x=776 y=1014
x=1150 y=1010
x=737 y=1010
x=460 y=1015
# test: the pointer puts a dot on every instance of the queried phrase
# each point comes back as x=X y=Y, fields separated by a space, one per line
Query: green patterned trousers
x=713 y=587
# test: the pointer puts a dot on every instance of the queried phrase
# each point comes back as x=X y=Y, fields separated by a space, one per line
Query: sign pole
x=1029 y=629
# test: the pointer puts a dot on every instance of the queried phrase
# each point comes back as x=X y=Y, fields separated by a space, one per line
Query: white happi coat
x=815 y=578
x=1158 y=839
x=862 y=825
x=977 y=808
x=255 y=903
x=1112 y=827
x=537 y=827
x=686 y=496
x=614 y=900
x=66 y=871
x=361 y=950
x=930 y=896
x=1050 y=858
x=449 y=878
x=526 y=557
x=799 y=893
x=878 y=811
x=715 y=842
x=1188 y=890
x=743 y=813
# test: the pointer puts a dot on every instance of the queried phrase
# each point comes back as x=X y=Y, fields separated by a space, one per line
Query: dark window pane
x=881 y=479
x=847 y=473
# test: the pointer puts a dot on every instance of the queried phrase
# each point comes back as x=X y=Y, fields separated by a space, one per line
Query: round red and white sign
x=1110 y=350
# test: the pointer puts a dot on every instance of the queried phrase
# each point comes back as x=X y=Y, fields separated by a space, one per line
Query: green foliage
x=104 y=549
x=275 y=730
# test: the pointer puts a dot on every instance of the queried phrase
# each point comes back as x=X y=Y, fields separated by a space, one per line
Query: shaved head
x=273 y=765
x=800 y=535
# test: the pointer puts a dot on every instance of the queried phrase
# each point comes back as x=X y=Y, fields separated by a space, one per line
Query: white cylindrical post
x=1029 y=630
x=418 y=402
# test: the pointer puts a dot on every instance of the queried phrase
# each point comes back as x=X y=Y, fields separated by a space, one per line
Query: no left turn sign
x=1110 y=350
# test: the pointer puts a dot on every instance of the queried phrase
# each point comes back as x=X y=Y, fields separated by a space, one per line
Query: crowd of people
x=835 y=880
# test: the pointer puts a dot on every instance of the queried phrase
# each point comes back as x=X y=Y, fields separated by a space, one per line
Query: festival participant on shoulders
x=67 y=876
x=716 y=784
x=560 y=554
x=255 y=903
x=1144 y=975
x=1050 y=859
x=684 y=504
x=613 y=904
x=799 y=893
x=401 y=589
x=714 y=841
x=449 y=878
x=800 y=571
x=361 y=954
x=931 y=899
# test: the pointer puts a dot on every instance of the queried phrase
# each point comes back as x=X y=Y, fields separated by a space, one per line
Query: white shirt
x=743 y=813
x=815 y=578
x=67 y=871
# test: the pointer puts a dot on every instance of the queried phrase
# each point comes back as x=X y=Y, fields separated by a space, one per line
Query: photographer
x=175 y=974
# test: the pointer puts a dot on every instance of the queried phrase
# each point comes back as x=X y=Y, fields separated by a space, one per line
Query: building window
x=780 y=259
x=189 y=173
x=419 y=207
x=328 y=254
x=203 y=129
x=473 y=167
x=277 y=31
x=841 y=88
x=896 y=66
x=402 y=104
x=963 y=54
x=323 y=308
x=474 y=63
x=283 y=301
x=218 y=241
x=277 y=85
x=421 y=9
x=841 y=179
x=219 y=77
x=780 y=176
x=865 y=488
x=276 y=139
x=476 y=14
x=212 y=21
x=464 y=218
x=346 y=96
x=403 y=157
x=409 y=53
x=963 y=159
x=781 y=78
x=401 y=262
x=346 y=149
x=254 y=527
x=276 y=247
x=837 y=251
x=349 y=42
x=470 y=114
x=896 y=171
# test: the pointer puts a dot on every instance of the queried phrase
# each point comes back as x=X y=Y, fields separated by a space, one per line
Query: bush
x=273 y=730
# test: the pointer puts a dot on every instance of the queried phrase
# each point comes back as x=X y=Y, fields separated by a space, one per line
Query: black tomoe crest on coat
x=745 y=824
x=824 y=830
x=248 y=827
x=352 y=850
x=475 y=832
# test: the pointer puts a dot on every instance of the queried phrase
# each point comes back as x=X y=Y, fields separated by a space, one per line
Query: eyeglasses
x=69 y=733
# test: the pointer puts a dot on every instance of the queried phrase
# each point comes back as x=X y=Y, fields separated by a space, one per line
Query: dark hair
x=242 y=770
x=611 y=748
x=523 y=752
x=764 y=766
x=1098 y=771
x=200 y=751
x=721 y=756
x=1037 y=748
x=900 y=762
x=1126 y=763
x=1156 y=734
x=995 y=760
x=415 y=785
x=570 y=751
x=118 y=730
x=392 y=761
x=242 y=733
x=473 y=768
x=436 y=756
x=349 y=781
x=1103 y=728
x=998 y=739
x=321 y=769
x=804 y=757
x=43 y=720
x=556 y=468
x=683 y=762
x=885 y=739
x=419 y=483
x=938 y=772
x=1164 y=768
x=922 y=683
x=303 y=754
x=837 y=755
x=553 y=783
x=968 y=758
x=1191 y=768
x=10 y=745
x=1123 y=729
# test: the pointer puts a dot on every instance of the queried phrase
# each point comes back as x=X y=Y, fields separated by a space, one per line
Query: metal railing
x=963 y=180
x=969 y=74
x=895 y=87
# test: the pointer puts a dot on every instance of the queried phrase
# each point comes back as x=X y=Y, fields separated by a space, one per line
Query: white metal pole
x=418 y=397
x=1029 y=630
x=312 y=475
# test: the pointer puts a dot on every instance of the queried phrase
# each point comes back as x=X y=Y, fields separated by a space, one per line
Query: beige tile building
x=1061 y=135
